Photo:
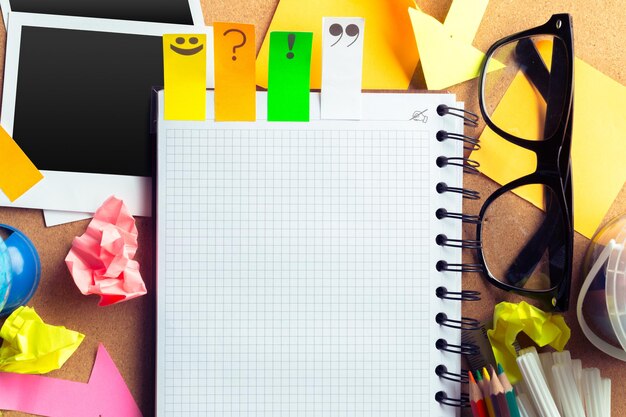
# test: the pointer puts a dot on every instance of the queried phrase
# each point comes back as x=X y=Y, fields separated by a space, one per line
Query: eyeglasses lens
x=524 y=87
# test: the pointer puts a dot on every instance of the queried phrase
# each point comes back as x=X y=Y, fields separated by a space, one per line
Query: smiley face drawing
x=193 y=41
x=185 y=75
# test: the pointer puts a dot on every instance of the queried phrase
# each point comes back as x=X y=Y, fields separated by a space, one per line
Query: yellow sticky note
x=598 y=150
x=389 y=46
x=17 y=173
x=509 y=319
x=445 y=60
x=184 y=76
x=31 y=346
x=235 y=82
x=463 y=19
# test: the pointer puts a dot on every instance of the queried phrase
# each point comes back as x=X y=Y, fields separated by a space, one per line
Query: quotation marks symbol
x=239 y=45
x=291 y=39
x=352 y=31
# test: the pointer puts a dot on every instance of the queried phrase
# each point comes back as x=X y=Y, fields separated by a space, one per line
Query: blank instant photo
x=183 y=12
x=77 y=100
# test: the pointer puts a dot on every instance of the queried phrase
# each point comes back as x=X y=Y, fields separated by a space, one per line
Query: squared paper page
x=296 y=263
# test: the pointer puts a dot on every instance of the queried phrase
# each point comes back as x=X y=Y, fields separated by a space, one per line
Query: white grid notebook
x=296 y=263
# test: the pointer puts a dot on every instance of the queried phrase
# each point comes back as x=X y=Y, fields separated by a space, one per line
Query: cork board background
x=128 y=329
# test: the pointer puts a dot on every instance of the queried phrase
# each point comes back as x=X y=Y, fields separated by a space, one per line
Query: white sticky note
x=342 y=67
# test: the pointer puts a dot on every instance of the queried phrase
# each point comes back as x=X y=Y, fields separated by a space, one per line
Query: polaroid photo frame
x=183 y=12
x=77 y=100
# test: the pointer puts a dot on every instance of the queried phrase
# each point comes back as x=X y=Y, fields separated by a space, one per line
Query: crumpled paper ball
x=101 y=260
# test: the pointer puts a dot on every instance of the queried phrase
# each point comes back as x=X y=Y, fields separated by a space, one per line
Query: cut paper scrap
x=598 y=150
x=463 y=19
x=101 y=260
x=106 y=393
x=389 y=47
x=235 y=81
x=288 y=89
x=509 y=319
x=17 y=172
x=31 y=346
x=342 y=68
x=445 y=60
x=185 y=76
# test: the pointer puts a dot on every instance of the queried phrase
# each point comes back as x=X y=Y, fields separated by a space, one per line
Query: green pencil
x=508 y=392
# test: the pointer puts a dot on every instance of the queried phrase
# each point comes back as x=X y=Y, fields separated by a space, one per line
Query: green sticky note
x=289 y=76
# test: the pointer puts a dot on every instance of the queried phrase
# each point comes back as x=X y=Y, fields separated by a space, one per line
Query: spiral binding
x=470 y=142
x=442 y=213
x=468 y=166
x=466 y=323
x=465 y=295
x=443 y=372
x=442 y=398
x=442 y=187
x=469 y=119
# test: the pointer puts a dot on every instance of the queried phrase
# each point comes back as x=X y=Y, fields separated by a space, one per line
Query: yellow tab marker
x=184 y=76
x=235 y=75
x=17 y=173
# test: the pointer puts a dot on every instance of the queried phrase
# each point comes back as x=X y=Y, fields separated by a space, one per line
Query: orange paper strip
x=235 y=83
x=17 y=173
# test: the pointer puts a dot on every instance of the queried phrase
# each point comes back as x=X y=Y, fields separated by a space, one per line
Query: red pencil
x=479 y=409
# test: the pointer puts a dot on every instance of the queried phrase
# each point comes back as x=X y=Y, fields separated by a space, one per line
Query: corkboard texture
x=128 y=329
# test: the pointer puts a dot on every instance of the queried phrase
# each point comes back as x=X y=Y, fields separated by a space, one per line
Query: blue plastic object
x=20 y=269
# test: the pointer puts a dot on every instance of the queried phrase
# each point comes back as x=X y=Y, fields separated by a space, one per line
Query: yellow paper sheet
x=463 y=19
x=17 y=173
x=598 y=147
x=184 y=76
x=509 y=319
x=389 y=56
x=445 y=60
x=31 y=346
x=235 y=83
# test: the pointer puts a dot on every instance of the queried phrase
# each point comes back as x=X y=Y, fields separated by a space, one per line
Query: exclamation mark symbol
x=291 y=39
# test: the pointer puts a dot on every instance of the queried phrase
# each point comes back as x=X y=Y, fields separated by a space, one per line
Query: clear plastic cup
x=602 y=301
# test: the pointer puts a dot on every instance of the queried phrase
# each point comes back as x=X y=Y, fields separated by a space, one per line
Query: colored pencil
x=508 y=392
x=489 y=393
x=498 y=398
x=484 y=387
x=477 y=402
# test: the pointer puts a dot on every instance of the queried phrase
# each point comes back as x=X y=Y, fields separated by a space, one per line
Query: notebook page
x=296 y=263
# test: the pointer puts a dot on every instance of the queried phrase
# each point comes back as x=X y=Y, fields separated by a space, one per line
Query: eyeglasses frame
x=553 y=162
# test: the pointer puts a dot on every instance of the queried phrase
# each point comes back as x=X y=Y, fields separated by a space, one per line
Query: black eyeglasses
x=523 y=249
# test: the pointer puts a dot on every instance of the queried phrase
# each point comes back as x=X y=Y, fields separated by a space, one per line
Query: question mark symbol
x=352 y=31
x=243 y=42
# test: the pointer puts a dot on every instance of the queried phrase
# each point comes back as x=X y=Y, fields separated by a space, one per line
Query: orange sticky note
x=17 y=173
x=235 y=82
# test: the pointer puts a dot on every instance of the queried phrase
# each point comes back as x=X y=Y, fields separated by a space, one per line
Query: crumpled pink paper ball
x=101 y=260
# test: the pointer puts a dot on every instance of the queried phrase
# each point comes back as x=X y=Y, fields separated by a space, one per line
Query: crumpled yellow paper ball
x=31 y=346
x=509 y=319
